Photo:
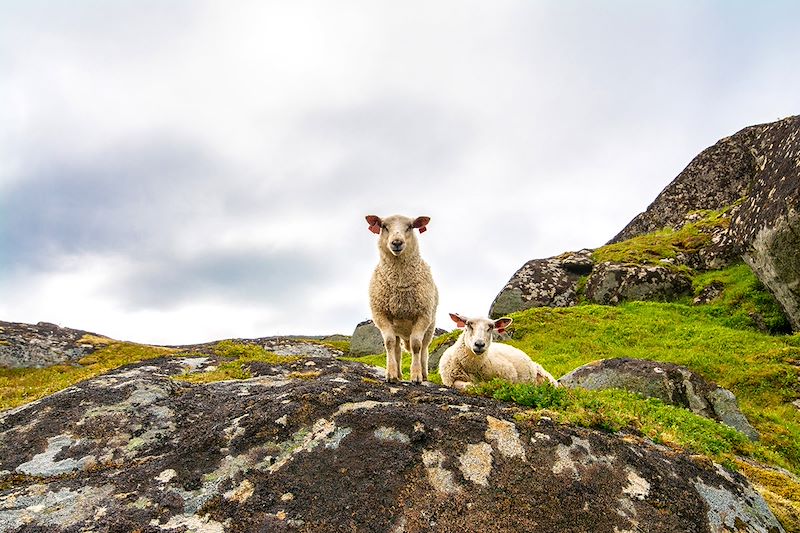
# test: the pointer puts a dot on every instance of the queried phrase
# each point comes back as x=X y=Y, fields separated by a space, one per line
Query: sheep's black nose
x=480 y=345
x=397 y=243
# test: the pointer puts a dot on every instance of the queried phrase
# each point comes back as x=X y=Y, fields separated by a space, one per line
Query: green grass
x=241 y=356
x=761 y=370
x=22 y=385
x=343 y=346
x=745 y=302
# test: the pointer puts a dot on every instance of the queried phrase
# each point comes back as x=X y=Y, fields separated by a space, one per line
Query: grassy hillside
x=725 y=341
x=762 y=370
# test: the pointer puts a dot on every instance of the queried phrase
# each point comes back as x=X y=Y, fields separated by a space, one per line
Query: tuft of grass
x=19 y=386
x=343 y=346
x=543 y=396
x=95 y=340
x=309 y=375
x=241 y=355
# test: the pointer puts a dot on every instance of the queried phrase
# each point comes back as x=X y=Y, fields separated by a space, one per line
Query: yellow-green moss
x=307 y=375
x=666 y=243
x=22 y=385
x=781 y=491
x=342 y=346
x=241 y=355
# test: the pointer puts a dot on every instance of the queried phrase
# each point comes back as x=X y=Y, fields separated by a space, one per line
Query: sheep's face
x=478 y=331
x=397 y=232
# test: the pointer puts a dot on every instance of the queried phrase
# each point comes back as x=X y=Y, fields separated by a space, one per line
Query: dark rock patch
x=549 y=282
x=41 y=345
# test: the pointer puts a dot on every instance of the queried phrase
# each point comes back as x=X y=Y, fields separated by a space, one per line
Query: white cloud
x=183 y=150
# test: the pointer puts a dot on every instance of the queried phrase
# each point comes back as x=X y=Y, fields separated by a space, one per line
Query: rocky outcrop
x=758 y=168
x=672 y=384
x=551 y=282
x=774 y=255
x=322 y=445
x=718 y=177
x=754 y=175
x=41 y=345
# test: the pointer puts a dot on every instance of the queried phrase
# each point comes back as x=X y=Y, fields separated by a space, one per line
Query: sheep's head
x=478 y=331
x=397 y=232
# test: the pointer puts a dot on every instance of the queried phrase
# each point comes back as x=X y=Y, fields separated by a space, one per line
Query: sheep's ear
x=420 y=223
x=459 y=320
x=501 y=324
x=374 y=223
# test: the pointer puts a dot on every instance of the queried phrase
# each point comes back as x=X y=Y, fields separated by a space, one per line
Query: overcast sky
x=184 y=171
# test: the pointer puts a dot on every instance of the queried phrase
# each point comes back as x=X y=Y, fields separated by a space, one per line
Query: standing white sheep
x=402 y=295
x=474 y=357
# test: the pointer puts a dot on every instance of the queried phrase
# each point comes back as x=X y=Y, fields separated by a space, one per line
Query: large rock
x=41 y=345
x=758 y=169
x=672 y=384
x=321 y=445
x=754 y=176
x=366 y=340
x=612 y=283
x=767 y=226
x=548 y=282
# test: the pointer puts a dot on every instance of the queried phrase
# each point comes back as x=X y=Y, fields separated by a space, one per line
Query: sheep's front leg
x=393 y=358
x=418 y=335
x=426 y=342
x=461 y=385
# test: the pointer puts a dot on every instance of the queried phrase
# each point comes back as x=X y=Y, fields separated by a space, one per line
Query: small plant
x=543 y=396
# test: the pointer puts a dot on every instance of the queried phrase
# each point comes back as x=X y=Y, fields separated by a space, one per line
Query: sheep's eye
x=489 y=328
x=409 y=228
x=469 y=325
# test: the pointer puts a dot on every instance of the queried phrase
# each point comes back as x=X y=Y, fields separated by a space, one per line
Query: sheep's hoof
x=391 y=380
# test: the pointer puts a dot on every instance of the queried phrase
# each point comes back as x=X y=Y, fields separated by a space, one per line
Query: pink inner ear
x=375 y=228
x=460 y=323
x=500 y=330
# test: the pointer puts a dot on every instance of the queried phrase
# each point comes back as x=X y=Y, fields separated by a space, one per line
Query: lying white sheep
x=474 y=357
x=402 y=295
